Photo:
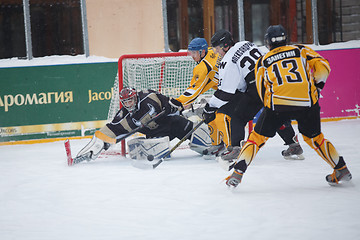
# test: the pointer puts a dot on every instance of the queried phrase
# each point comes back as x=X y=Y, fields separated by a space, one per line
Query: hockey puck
x=150 y=157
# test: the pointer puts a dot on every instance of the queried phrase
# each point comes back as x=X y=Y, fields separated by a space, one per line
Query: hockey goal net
x=167 y=73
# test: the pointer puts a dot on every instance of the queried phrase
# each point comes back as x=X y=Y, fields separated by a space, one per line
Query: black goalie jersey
x=149 y=104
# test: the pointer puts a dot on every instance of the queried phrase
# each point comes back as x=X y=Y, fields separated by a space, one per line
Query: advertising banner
x=341 y=94
x=54 y=101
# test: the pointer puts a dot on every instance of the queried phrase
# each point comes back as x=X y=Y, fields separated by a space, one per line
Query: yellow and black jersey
x=287 y=76
x=204 y=78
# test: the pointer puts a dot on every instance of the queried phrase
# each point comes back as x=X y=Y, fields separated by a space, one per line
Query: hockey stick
x=149 y=165
x=78 y=159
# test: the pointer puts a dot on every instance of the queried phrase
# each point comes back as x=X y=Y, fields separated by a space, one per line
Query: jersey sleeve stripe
x=224 y=96
x=208 y=66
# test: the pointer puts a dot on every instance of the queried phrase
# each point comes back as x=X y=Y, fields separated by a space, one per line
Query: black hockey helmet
x=128 y=98
x=275 y=36
x=222 y=38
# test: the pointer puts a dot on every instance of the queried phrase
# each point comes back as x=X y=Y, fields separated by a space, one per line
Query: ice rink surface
x=184 y=198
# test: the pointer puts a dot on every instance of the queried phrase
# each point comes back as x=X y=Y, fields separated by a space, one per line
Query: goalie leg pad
x=222 y=123
x=200 y=139
x=93 y=149
x=251 y=147
x=214 y=133
x=140 y=148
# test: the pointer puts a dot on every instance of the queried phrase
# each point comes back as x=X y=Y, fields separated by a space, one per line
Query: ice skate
x=234 y=179
x=213 y=151
x=294 y=152
x=338 y=176
x=228 y=158
x=231 y=153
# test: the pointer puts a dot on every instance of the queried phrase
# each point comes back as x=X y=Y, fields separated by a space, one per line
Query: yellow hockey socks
x=324 y=148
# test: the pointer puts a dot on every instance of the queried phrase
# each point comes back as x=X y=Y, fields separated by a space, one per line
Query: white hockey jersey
x=236 y=71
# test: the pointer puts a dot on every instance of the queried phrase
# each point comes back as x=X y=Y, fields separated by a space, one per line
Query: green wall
x=44 y=95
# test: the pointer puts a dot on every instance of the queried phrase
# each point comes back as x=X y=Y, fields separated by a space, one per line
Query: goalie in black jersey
x=139 y=108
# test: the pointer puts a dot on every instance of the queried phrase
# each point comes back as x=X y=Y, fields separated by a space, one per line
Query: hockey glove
x=175 y=106
x=209 y=113
x=319 y=86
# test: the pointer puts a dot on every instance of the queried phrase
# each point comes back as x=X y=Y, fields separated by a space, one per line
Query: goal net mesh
x=167 y=73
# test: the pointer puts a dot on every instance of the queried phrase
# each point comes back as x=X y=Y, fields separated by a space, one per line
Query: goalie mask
x=128 y=98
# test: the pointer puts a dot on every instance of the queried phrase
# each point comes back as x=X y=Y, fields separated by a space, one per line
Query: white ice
x=184 y=198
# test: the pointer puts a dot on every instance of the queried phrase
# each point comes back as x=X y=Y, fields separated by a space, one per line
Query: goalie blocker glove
x=175 y=106
x=209 y=113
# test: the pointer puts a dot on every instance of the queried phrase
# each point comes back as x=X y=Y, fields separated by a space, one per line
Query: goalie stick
x=87 y=156
x=150 y=165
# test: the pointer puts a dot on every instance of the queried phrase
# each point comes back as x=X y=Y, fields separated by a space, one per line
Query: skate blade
x=345 y=181
x=294 y=157
x=342 y=183
x=209 y=157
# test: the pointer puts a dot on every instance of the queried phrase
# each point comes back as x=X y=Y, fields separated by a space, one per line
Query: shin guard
x=214 y=133
x=250 y=149
x=222 y=122
x=324 y=148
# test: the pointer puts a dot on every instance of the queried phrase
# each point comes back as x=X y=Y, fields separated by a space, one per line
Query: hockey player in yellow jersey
x=236 y=101
x=204 y=73
x=204 y=78
x=288 y=80
x=289 y=84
